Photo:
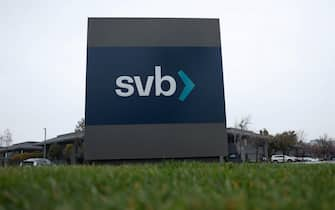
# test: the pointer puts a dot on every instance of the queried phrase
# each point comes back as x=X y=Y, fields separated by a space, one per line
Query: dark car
x=234 y=157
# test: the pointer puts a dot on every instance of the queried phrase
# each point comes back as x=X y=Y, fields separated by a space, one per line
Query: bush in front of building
x=55 y=152
x=17 y=158
x=68 y=153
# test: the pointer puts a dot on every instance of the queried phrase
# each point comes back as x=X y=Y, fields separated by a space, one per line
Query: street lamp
x=45 y=145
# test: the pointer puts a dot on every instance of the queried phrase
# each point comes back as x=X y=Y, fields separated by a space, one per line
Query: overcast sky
x=279 y=61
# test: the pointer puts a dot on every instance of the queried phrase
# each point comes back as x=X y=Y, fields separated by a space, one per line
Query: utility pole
x=45 y=145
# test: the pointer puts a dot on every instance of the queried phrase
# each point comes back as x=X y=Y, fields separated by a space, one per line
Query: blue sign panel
x=140 y=85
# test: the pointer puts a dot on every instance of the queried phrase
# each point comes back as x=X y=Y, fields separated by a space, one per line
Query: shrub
x=17 y=158
x=55 y=152
x=68 y=152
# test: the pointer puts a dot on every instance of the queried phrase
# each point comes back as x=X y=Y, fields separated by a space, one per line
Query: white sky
x=279 y=61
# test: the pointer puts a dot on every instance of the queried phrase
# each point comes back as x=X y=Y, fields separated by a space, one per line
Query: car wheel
x=289 y=160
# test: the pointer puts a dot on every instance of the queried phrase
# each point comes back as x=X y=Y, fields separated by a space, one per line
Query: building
x=25 y=147
x=247 y=146
x=74 y=140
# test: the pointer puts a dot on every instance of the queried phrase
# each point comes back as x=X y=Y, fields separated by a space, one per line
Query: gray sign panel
x=154 y=89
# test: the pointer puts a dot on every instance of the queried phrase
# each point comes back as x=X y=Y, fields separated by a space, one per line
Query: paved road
x=316 y=162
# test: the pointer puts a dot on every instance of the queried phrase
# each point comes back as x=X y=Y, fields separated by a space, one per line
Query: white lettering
x=158 y=83
x=139 y=86
x=125 y=86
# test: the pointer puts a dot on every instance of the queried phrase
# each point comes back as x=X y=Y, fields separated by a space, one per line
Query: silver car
x=36 y=162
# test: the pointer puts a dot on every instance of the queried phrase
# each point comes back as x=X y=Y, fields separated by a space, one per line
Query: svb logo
x=126 y=87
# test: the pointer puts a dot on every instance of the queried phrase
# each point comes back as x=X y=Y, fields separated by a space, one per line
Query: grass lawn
x=170 y=185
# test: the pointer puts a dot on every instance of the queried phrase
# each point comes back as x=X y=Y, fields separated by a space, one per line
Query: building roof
x=28 y=145
x=64 y=138
x=237 y=131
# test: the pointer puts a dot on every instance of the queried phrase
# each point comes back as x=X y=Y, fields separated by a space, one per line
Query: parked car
x=309 y=159
x=234 y=157
x=282 y=158
x=306 y=159
x=36 y=162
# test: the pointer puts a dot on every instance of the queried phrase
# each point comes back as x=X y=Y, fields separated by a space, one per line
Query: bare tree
x=243 y=123
x=80 y=127
x=301 y=135
x=325 y=145
x=6 y=139
x=243 y=126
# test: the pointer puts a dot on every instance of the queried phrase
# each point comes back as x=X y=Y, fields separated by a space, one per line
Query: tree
x=243 y=126
x=19 y=157
x=6 y=139
x=273 y=146
x=78 y=150
x=55 y=152
x=284 y=141
x=268 y=138
x=68 y=152
x=301 y=136
x=80 y=127
x=243 y=123
x=264 y=132
x=325 y=146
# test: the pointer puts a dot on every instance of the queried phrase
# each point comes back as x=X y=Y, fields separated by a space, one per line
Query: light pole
x=45 y=145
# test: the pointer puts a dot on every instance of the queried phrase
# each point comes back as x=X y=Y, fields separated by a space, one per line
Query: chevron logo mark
x=189 y=85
